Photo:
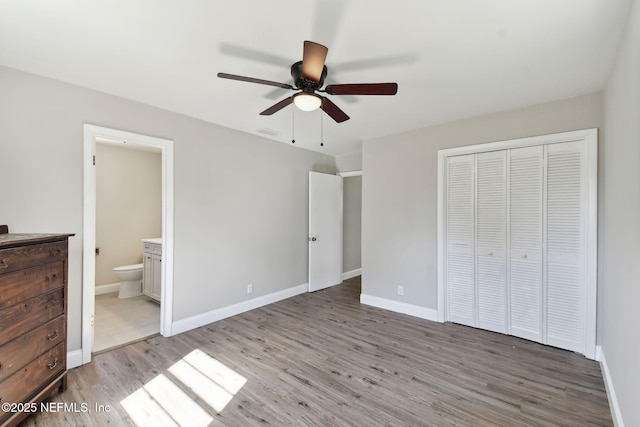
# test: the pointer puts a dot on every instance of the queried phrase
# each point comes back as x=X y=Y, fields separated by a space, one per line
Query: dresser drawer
x=13 y=259
x=30 y=282
x=17 y=353
x=30 y=379
x=20 y=318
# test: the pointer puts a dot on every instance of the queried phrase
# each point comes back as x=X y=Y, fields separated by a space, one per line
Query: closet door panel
x=566 y=246
x=525 y=242
x=491 y=240
x=460 y=272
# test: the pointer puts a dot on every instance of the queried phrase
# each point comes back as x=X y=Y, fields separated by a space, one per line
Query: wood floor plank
x=324 y=359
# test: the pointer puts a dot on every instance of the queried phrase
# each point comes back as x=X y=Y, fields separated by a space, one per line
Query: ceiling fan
x=308 y=77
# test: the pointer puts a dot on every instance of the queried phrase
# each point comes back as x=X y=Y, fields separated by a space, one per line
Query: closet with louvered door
x=519 y=239
x=525 y=242
x=491 y=240
x=460 y=254
x=566 y=260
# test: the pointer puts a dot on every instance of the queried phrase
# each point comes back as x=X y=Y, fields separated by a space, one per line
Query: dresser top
x=14 y=239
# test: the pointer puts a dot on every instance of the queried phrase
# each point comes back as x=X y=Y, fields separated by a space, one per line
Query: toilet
x=131 y=280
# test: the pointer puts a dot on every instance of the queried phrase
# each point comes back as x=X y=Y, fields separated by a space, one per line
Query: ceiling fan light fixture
x=307 y=101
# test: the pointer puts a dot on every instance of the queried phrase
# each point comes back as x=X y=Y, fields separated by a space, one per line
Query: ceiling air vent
x=267 y=131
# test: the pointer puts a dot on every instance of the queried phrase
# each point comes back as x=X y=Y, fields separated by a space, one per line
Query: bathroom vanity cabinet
x=152 y=268
x=33 y=321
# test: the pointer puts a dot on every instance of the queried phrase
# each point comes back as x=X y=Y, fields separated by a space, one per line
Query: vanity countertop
x=156 y=240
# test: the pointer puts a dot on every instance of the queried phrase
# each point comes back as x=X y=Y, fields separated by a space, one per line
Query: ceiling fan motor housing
x=302 y=83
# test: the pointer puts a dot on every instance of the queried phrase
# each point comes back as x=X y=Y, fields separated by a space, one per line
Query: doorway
x=92 y=135
x=128 y=212
x=352 y=224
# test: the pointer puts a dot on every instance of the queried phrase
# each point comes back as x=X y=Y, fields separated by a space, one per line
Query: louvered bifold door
x=491 y=241
x=565 y=245
x=525 y=242
x=459 y=262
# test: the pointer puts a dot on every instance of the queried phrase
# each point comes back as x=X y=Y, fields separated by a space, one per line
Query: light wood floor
x=323 y=359
x=120 y=321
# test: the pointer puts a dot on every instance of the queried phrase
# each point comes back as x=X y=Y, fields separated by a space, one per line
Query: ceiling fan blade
x=277 y=107
x=333 y=110
x=313 y=58
x=253 y=80
x=363 y=89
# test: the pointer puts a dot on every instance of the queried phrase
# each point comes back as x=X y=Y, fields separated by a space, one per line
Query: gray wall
x=128 y=206
x=399 y=200
x=352 y=223
x=620 y=224
x=349 y=162
x=241 y=201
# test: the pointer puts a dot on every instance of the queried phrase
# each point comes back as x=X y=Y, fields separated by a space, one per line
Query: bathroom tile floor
x=120 y=321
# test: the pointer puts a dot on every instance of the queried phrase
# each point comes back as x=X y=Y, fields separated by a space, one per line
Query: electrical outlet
x=250 y=288
x=400 y=290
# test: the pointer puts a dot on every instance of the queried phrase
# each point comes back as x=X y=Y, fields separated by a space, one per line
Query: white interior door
x=525 y=242
x=325 y=230
x=460 y=272
x=566 y=245
x=491 y=240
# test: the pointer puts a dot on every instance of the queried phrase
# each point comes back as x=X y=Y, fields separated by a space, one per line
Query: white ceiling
x=451 y=58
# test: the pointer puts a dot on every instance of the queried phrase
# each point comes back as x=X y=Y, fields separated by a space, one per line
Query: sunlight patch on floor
x=164 y=402
x=216 y=371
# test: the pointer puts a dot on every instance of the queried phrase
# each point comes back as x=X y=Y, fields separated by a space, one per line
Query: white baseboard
x=353 y=273
x=193 y=322
x=107 y=289
x=74 y=359
x=611 y=393
x=400 y=307
x=598 y=357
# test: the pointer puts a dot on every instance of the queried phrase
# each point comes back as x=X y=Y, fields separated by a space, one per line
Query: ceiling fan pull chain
x=293 y=126
x=322 y=128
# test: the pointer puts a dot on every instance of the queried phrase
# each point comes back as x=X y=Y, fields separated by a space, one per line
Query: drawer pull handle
x=54 y=364
x=3 y=264
x=54 y=336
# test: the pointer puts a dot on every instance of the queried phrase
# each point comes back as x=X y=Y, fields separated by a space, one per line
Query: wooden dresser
x=33 y=320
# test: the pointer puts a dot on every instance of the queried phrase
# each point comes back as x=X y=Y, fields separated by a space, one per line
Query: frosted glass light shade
x=307 y=101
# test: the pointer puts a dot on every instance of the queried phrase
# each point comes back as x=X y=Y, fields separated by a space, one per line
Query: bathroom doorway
x=128 y=211
x=118 y=215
